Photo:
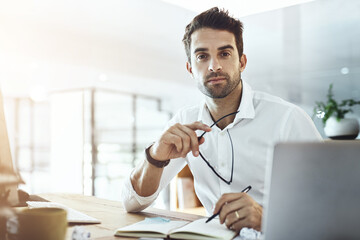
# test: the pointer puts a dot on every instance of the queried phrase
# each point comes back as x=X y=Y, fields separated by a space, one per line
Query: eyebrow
x=200 y=50
x=219 y=48
x=226 y=47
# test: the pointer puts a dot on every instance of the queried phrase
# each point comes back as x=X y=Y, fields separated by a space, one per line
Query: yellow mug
x=42 y=224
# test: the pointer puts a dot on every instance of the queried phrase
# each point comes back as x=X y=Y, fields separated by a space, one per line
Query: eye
x=225 y=54
x=200 y=57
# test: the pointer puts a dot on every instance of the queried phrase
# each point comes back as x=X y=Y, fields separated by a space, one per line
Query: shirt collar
x=246 y=108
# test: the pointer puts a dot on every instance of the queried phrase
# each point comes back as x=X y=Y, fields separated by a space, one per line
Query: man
x=236 y=151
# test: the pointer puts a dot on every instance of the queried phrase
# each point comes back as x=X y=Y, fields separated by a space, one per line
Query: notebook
x=314 y=192
x=73 y=216
x=165 y=228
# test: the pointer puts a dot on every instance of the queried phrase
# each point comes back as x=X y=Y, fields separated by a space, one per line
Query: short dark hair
x=216 y=19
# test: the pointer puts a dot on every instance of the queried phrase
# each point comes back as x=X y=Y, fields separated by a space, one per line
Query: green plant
x=331 y=107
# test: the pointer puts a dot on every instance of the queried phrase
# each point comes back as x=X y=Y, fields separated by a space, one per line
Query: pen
x=245 y=190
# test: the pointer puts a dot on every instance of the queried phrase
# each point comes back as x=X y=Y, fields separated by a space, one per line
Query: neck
x=219 y=107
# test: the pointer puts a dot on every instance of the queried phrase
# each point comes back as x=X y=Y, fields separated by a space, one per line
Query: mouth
x=216 y=80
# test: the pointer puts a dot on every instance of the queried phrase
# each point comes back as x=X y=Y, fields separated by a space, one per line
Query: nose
x=215 y=65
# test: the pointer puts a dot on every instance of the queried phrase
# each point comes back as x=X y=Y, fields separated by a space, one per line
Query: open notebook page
x=201 y=230
x=150 y=227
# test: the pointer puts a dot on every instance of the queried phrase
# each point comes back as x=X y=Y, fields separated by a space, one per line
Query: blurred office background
x=89 y=84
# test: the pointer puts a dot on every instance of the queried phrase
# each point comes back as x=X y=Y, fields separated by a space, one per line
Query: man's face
x=215 y=62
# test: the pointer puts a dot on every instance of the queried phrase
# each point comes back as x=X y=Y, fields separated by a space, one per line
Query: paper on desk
x=248 y=234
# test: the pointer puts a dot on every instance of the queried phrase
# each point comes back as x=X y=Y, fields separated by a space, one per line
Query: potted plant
x=332 y=113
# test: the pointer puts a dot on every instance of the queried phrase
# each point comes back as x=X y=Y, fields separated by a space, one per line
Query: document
x=163 y=228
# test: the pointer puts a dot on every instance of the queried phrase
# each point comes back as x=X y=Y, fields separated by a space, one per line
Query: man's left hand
x=238 y=210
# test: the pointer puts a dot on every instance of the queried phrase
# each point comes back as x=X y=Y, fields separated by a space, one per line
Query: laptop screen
x=9 y=179
x=314 y=192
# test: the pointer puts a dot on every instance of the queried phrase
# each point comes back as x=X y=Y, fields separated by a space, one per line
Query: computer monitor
x=9 y=178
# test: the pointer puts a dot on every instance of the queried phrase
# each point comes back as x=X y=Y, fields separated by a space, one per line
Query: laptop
x=9 y=178
x=314 y=192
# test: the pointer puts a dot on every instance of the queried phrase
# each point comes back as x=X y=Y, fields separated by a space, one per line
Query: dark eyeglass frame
x=228 y=182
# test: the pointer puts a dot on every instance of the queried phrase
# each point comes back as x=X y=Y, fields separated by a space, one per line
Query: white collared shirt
x=263 y=120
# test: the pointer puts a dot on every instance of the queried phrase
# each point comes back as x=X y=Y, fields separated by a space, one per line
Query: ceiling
x=294 y=52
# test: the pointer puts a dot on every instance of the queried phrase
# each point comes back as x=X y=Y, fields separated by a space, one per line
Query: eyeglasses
x=228 y=182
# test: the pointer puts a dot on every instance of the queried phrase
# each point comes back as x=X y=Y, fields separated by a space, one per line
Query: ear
x=189 y=69
x=243 y=62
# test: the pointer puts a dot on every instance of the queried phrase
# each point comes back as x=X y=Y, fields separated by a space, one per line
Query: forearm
x=145 y=179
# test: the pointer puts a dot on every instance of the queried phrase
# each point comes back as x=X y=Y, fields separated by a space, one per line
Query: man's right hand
x=178 y=140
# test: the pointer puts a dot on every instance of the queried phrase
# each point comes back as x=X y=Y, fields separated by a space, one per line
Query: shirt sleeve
x=132 y=202
x=299 y=127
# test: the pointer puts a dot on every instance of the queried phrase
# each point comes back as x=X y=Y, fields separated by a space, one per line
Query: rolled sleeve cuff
x=133 y=202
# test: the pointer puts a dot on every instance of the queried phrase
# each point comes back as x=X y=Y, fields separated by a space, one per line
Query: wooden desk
x=111 y=214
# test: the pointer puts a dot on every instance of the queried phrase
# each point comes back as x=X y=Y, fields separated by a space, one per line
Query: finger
x=198 y=126
x=227 y=198
x=201 y=141
x=241 y=223
x=235 y=205
x=194 y=143
x=238 y=225
x=173 y=139
x=229 y=209
x=235 y=216
x=248 y=217
x=185 y=138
